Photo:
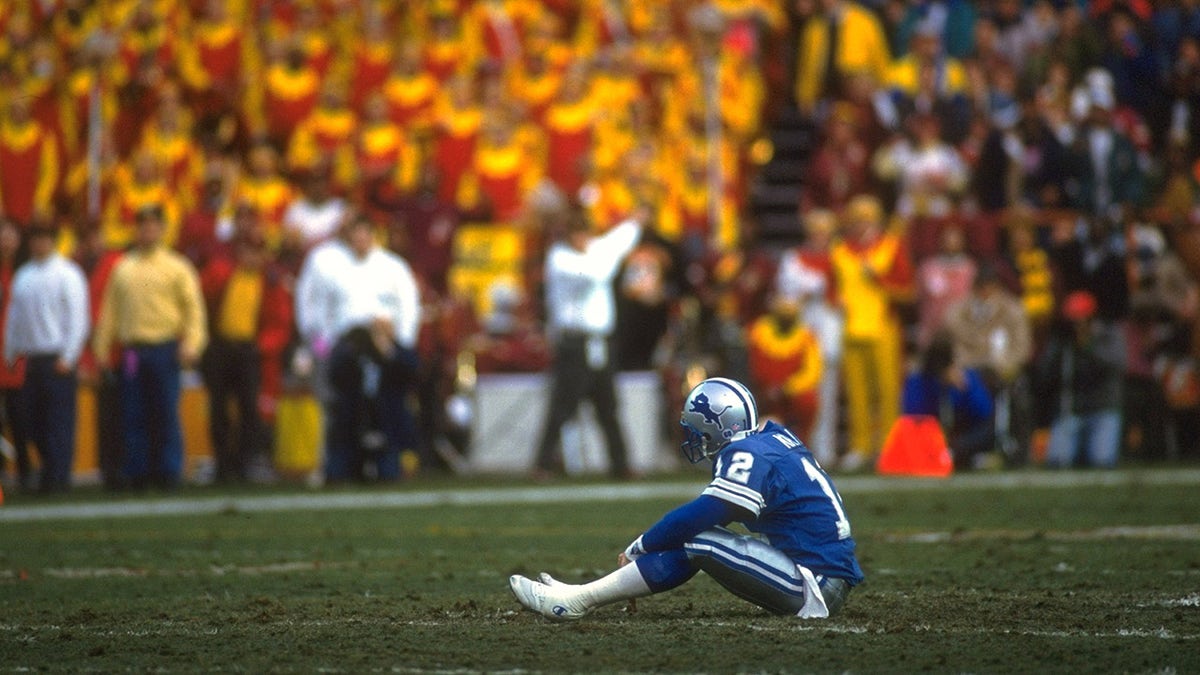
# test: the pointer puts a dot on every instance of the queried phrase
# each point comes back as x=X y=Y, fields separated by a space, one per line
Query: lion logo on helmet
x=702 y=405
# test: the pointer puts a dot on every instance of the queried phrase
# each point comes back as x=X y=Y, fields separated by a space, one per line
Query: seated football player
x=802 y=563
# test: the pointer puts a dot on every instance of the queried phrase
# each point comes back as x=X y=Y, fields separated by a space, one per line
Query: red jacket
x=10 y=377
x=98 y=270
x=275 y=316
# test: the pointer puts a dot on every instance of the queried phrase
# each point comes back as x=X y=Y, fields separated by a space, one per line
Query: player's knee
x=665 y=570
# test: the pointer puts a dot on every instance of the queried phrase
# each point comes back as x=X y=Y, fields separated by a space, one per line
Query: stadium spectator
x=929 y=175
x=97 y=263
x=953 y=21
x=38 y=65
x=214 y=61
x=785 y=363
x=1078 y=42
x=927 y=80
x=410 y=91
x=687 y=215
x=388 y=162
x=369 y=59
x=1184 y=88
x=1019 y=34
x=448 y=50
x=137 y=95
x=843 y=37
x=734 y=286
x=502 y=170
x=841 y=166
x=1046 y=162
x=325 y=139
x=250 y=312
x=1130 y=59
x=647 y=285
x=806 y=272
x=168 y=136
x=535 y=83
x=742 y=94
x=620 y=168
x=874 y=276
x=1109 y=179
x=958 y=397
x=46 y=323
x=990 y=329
x=457 y=119
x=1163 y=300
x=1081 y=376
x=139 y=184
x=199 y=234
x=263 y=186
x=29 y=165
x=420 y=228
x=991 y=334
x=943 y=279
x=12 y=375
x=286 y=93
x=581 y=316
x=569 y=120
x=1088 y=254
x=313 y=26
x=763 y=477
x=358 y=308
x=315 y=214
x=1032 y=275
x=153 y=307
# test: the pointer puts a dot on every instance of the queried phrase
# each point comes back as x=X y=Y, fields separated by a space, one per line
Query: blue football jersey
x=773 y=475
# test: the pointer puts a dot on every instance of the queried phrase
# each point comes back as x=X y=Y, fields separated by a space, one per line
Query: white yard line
x=560 y=494
x=1184 y=532
x=819 y=627
x=169 y=628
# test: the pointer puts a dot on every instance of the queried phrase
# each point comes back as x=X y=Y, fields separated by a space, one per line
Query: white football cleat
x=548 y=600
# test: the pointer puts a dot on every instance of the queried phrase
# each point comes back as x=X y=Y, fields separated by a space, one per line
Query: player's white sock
x=545 y=578
x=621 y=584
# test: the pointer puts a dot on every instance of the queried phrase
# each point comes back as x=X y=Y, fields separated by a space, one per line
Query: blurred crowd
x=996 y=219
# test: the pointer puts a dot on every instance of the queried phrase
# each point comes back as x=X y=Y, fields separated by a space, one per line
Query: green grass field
x=1004 y=573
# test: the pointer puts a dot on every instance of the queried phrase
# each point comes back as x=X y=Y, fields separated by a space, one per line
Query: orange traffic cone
x=916 y=446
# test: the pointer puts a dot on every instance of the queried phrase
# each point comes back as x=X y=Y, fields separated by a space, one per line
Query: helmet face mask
x=695 y=443
x=716 y=412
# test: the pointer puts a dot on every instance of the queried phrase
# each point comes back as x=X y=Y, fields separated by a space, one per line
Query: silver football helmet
x=716 y=412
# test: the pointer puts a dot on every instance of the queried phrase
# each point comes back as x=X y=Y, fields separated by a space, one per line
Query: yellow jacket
x=870 y=278
x=862 y=47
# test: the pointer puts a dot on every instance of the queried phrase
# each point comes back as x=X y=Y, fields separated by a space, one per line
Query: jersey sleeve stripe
x=738 y=488
x=739 y=495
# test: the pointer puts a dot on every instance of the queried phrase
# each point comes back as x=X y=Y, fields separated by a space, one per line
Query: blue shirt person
x=799 y=557
x=958 y=397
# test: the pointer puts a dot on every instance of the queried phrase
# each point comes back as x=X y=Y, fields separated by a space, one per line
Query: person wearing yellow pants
x=874 y=272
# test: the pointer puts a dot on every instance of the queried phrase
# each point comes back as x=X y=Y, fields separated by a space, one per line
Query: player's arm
x=682 y=524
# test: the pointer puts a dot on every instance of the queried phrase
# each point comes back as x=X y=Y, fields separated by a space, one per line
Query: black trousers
x=13 y=415
x=368 y=421
x=575 y=381
x=232 y=375
x=109 y=436
x=49 y=398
